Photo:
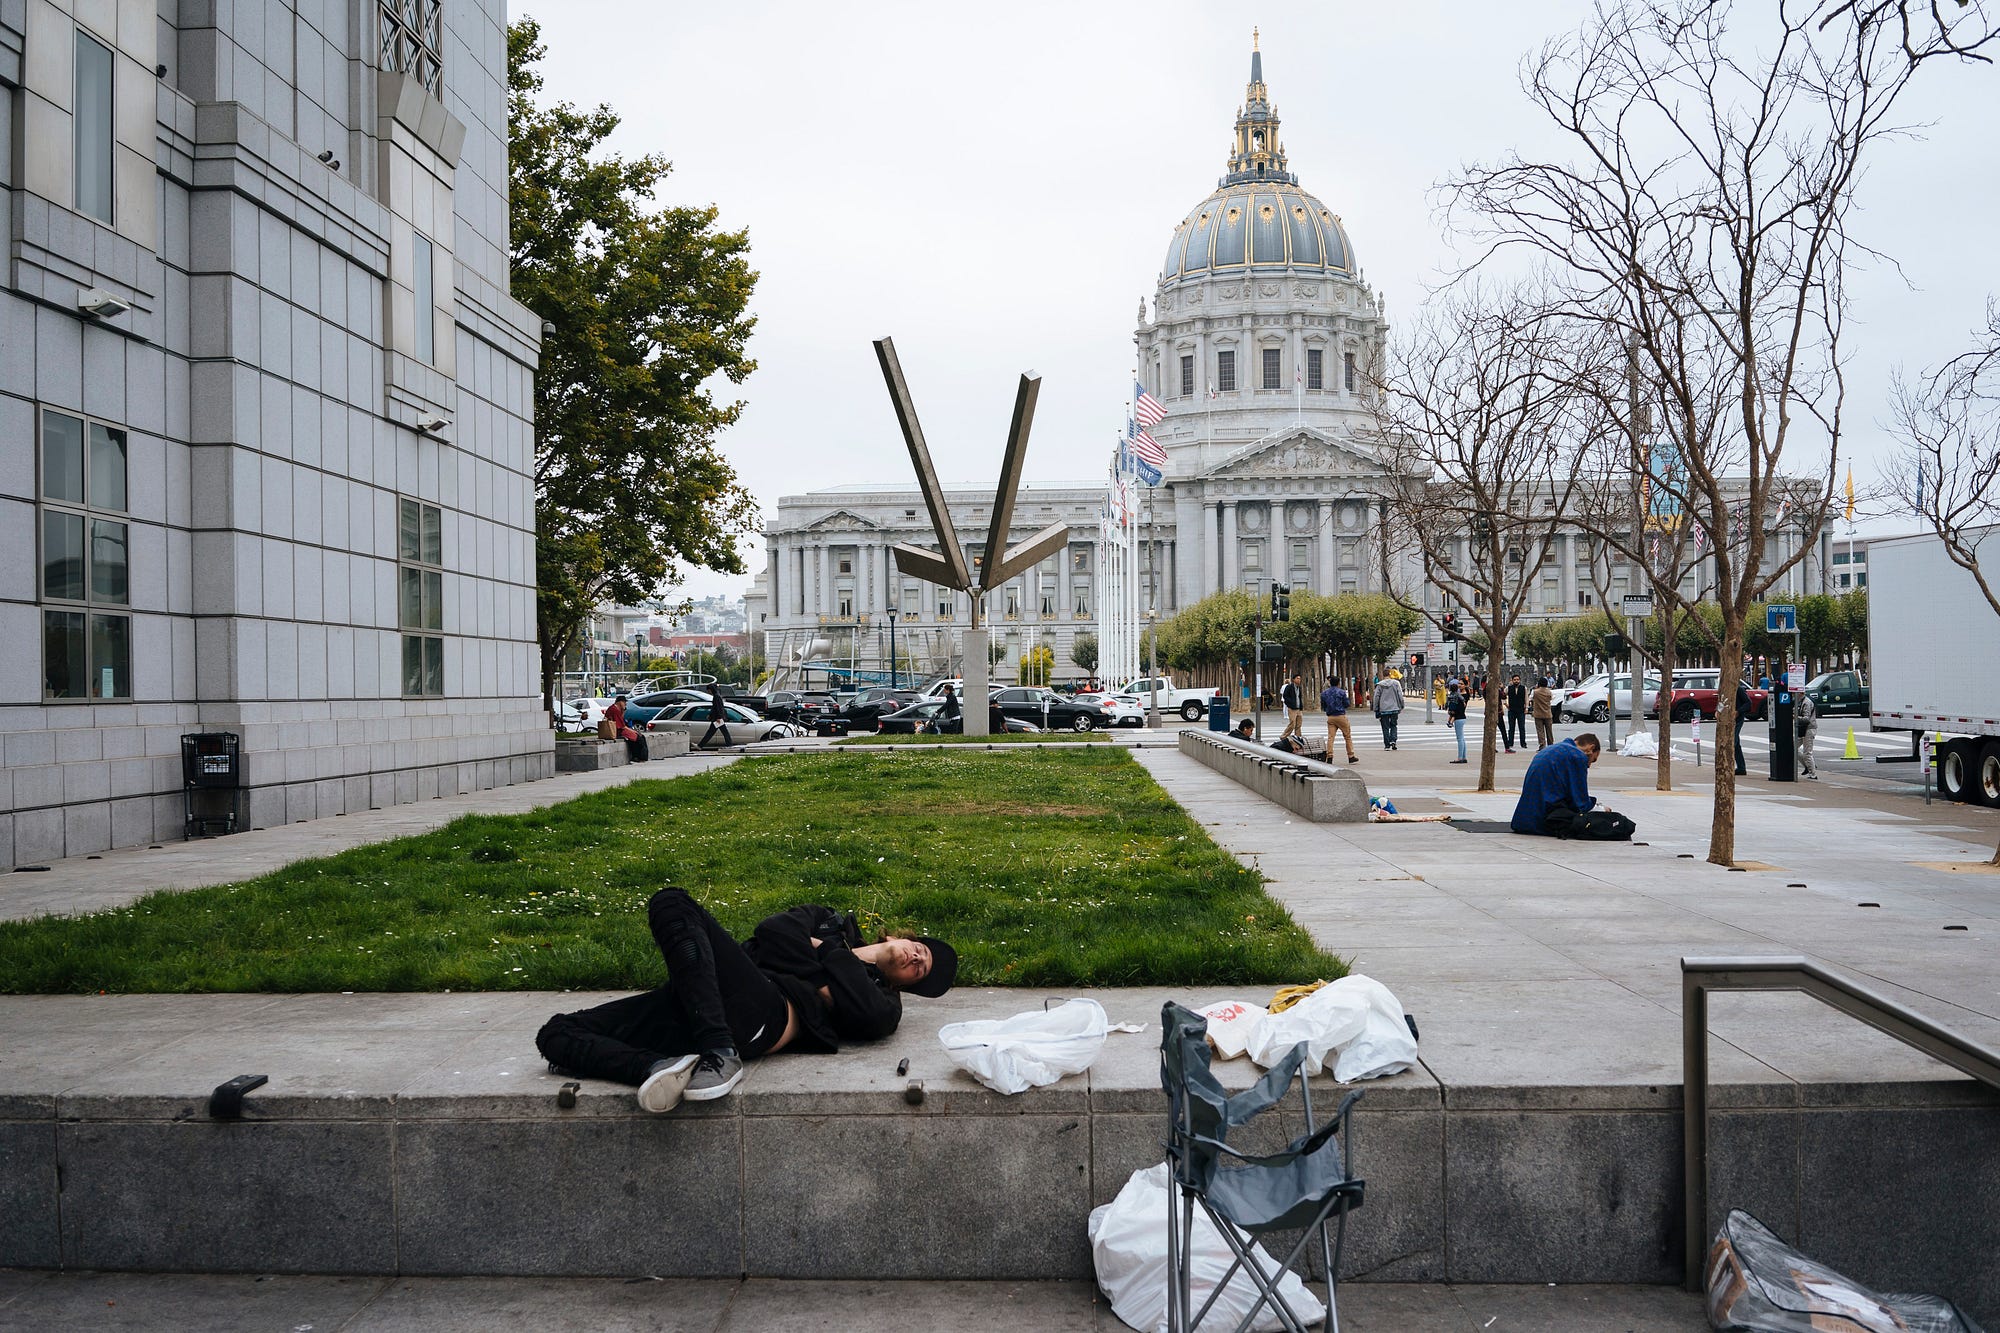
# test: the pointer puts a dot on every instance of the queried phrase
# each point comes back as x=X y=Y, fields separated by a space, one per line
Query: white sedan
x=1122 y=709
x=744 y=725
x=587 y=712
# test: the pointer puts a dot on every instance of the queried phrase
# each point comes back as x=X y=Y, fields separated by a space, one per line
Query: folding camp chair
x=1305 y=1185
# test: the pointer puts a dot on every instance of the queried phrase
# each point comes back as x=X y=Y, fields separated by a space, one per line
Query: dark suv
x=1838 y=692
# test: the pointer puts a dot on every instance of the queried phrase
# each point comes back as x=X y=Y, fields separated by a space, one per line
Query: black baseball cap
x=944 y=969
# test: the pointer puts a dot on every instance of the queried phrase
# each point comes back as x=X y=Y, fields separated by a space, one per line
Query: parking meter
x=1783 y=751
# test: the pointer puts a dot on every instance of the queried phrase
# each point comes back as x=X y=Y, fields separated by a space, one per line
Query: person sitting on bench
x=1556 y=800
x=802 y=981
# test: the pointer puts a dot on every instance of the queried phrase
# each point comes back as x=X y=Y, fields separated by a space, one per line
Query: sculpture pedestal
x=978 y=670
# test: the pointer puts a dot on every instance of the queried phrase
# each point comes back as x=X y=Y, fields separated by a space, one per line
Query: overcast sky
x=994 y=186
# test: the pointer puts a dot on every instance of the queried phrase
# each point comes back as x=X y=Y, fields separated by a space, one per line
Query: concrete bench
x=1320 y=792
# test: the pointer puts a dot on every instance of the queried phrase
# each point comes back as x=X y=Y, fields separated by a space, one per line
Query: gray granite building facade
x=265 y=412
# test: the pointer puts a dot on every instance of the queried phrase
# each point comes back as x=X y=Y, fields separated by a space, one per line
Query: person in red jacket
x=802 y=981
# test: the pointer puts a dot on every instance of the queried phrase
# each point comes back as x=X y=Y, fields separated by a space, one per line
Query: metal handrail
x=1699 y=976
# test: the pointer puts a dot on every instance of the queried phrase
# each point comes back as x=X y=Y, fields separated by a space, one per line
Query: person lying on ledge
x=803 y=981
x=1556 y=800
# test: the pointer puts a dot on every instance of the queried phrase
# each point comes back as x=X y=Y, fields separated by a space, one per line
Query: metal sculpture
x=947 y=567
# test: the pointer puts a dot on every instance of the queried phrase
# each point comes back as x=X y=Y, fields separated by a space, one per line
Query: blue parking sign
x=1781 y=618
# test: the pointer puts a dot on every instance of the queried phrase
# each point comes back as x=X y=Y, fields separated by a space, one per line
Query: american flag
x=1146 y=447
x=1147 y=407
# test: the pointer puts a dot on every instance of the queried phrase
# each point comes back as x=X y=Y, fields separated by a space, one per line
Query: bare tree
x=1704 y=216
x=1478 y=418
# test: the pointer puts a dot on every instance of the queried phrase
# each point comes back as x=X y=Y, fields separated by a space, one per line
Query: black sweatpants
x=714 y=998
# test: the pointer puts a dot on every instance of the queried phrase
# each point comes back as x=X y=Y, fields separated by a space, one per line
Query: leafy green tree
x=643 y=307
x=1083 y=652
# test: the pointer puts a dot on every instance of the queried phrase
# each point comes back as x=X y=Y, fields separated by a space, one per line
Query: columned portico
x=1229 y=553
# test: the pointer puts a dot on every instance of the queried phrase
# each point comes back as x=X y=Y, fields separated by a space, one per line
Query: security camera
x=326 y=155
x=100 y=304
x=548 y=328
x=433 y=425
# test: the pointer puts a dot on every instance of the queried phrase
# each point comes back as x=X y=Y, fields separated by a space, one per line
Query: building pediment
x=840 y=520
x=1300 y=451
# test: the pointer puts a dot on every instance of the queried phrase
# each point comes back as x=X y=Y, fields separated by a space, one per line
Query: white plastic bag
x=1639 y=745
x=1128 y=1248
x=1231 y=1025
x=1355 y=1015
x=1030 y=1049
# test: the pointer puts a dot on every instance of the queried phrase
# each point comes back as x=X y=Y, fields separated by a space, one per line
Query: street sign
x=1781 y=618
x=1637 y=605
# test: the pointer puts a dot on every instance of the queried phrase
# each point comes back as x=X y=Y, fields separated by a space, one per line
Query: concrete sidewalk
x=112 y=1301
x=80 y=884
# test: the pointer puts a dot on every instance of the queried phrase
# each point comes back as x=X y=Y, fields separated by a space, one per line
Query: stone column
x=1328 y=576
x=1228 y=545
x=1211 y=551
x=826 y=603
x=1566 y=562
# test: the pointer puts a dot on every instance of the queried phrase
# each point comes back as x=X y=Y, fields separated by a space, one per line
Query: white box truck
x=1933 y=649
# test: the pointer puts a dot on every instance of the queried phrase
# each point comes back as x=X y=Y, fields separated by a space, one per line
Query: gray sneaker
x=715 y=1075
x=665 y=1082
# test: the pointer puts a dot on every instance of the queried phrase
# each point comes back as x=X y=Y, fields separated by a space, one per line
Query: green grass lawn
x=1052 y=868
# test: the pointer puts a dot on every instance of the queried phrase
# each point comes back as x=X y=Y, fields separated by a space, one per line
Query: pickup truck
x=1837 y=692
x=1191 y=704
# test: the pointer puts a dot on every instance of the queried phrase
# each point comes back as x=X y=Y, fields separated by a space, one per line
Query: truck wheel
x=1600 y=712
x=1192 y=710
x=1987 y=790
x=1954 y=771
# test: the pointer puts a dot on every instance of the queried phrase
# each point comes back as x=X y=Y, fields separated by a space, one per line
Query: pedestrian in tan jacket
x=1541 y=707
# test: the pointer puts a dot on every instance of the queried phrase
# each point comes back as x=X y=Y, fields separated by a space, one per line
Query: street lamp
x=1153 y=683
x=638 y=647
x=894 y=682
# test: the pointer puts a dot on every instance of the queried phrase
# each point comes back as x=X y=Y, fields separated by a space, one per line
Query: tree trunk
x=548 y=670
x=1487 y=729
x=1664 y=779
x=1722 y=830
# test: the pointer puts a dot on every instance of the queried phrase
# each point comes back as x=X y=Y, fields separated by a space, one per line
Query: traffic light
x=1416 y=659
x=1614 y=646
x=1450 y=626
x=1281 y=601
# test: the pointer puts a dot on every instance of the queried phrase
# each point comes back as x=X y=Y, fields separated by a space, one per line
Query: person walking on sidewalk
x=1516 y=717
x=1295 y=708
x=1454 y=711
x=1805 y=730
x=1542 y=705
x=802 y=981
x=718 y=716
x=1388 y=703
x=1333 y=701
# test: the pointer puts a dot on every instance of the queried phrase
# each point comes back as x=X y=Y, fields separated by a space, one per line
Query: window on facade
x=424 y=258
x=1840 y=557
x=847 y=564
x=1083 y=603
x=912 y=599
x=944 y=604
x=412 y=33
x=1048 y=596
x=1301 y=555
x=93 y=127
x=85 y=560
x=1013 y=601
x=1347 y=370
x=1225 y=372
x=420 y=595
x=1079 y=559
x=1253 y=555
x=1271 y=369
x=1315 y=368
x=1187 y=377
x=843 y=601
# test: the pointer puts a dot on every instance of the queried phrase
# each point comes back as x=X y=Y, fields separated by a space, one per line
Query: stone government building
x=1262 y=335
x=266 y=410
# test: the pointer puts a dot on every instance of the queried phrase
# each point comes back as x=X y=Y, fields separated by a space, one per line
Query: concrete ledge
x=587 y=755
x=1320 y=792
x=421 y=1134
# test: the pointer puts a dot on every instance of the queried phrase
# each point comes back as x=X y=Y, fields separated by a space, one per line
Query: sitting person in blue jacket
x=1556 y=800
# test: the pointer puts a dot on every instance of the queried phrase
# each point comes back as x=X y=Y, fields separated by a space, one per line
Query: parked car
x=876 y=703
x=589 y=710
x=1191 y=703
x=645 y=707
x=801 y=708
x=1592 y=699
x=1049 y=710
x=925 y=715
x=1838 y=692
x=744 y=725
x=1123 y=710
x=1695 y=692
x=568 y=717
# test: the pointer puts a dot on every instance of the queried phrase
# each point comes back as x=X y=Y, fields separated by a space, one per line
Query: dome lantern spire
x=1257 y=154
